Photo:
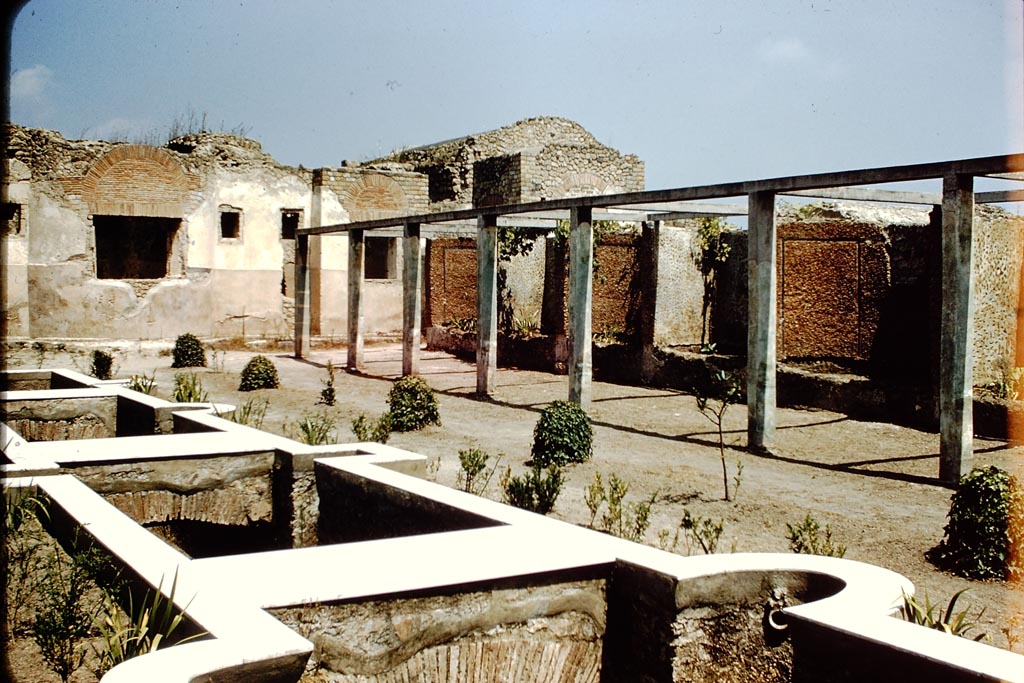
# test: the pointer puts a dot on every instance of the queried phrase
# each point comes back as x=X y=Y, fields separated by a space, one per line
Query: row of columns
x=956 y=350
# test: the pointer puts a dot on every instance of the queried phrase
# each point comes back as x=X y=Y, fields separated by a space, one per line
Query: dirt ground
x=874 y=484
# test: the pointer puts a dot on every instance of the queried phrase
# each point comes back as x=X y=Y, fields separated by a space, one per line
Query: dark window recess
x=133 y=247
x=230 y=225
x=12 y=219
x=379 y=258
x=290 y=221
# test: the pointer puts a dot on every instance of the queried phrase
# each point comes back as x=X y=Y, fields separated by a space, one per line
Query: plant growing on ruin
x=144 y=384
x=702 y=532
x=251 y=413
x=809 y=538
x=65 y=614
x=714 y=252
x=984 y=537
x=562 y=435
x=367 y=430
x=141 y=628
x=188 y=388
x=188 y=352
x=625 y=520
x=535 y=491
x=258 y=373
x=327 y=394
x=525 y=327
x=316 y=430
x=474 y=475
x=102 y=365
x=24 y=547
x=948 y=621
x=412 y=405
x=725 y=391
x=1010 y=385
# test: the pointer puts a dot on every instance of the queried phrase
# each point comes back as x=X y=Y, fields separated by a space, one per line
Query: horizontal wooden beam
x=999 y=196
x=1010 y=163
x=860 y=194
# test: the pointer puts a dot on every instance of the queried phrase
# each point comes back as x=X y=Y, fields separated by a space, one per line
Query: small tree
x=258 y=373
x=725 y=392
x=412 y=405
x=562 y=435
x=188 y=352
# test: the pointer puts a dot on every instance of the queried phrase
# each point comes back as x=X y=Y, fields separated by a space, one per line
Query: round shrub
x=985 y=533
x=412 y=405
x=258 y=373
x=188 y=352
x=563 y=435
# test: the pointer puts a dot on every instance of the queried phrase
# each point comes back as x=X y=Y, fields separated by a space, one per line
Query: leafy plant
x=562 y=435
x=24 y=547
x=316 y=429
x=629 y=521
x=807 y=538
x=188 y=388
x=954 y=623
x=464 y=325
x=64 y=616
x=536 y=491
x=725 y=392
x=412 y=405
x=327 y=394
x=1010 y=385
x=251 y=413
x=609 y=335
x=188 y=352
x=525 y=327
x=474 y=475
x=142 y=628
x=984 y=537
x=379 y=431
x=701 y=532
x=714 y=252
x=102 y=366
x=258 y=373
x=144 y=384
x=39 y=348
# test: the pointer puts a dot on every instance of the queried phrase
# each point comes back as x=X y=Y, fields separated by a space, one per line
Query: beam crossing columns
x=761 y=320
x=956 y=345
x=486 y=304
x=581 y=286
x=302 y=312
x=356 y=331
x=412 y=298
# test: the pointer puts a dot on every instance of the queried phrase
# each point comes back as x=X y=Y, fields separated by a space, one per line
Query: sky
x=703 y=91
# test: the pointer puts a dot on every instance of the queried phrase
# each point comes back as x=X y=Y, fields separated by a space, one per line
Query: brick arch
x=136 y=180
x=375 y=196
x=582 y=185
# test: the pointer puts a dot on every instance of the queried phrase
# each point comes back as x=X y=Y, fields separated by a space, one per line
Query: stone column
x=486 y=304
x=581 y=285
x=761 y=320
x=648 y=297
x=956 y=346
x=301 y=296
x=356 y=259
x=412 y=298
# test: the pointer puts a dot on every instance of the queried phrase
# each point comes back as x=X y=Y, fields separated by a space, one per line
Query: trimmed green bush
x=258 y=373
x=188 y=352
x=102 y=366
x=412 y=405
x=535 y=491
x=562 y=435
x=985 y=533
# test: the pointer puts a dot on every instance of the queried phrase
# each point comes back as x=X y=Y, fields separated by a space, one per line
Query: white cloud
x=29 y=85
x=784 y=51
x=119 y=129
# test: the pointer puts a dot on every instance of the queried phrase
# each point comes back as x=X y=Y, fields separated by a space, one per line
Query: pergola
x=956 y=202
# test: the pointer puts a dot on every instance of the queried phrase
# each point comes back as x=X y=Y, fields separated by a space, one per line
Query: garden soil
x=873 y=484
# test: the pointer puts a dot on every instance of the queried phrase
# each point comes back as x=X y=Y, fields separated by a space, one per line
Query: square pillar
x=356 y=322
x=649 y=242
x=761 y=320
x=956 y=333
x=302 y=307
x=486 y=304
x=412 y=298
x=581 y=288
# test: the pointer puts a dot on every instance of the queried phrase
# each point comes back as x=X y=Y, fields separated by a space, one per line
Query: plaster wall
x=680 y=291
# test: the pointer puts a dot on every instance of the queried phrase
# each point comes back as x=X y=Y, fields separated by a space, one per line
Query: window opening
x=380 y=258
x=230 y=223
x=133 y=247
x=291 y=220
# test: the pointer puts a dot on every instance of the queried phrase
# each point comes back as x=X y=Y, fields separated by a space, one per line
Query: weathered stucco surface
x=536 y=634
